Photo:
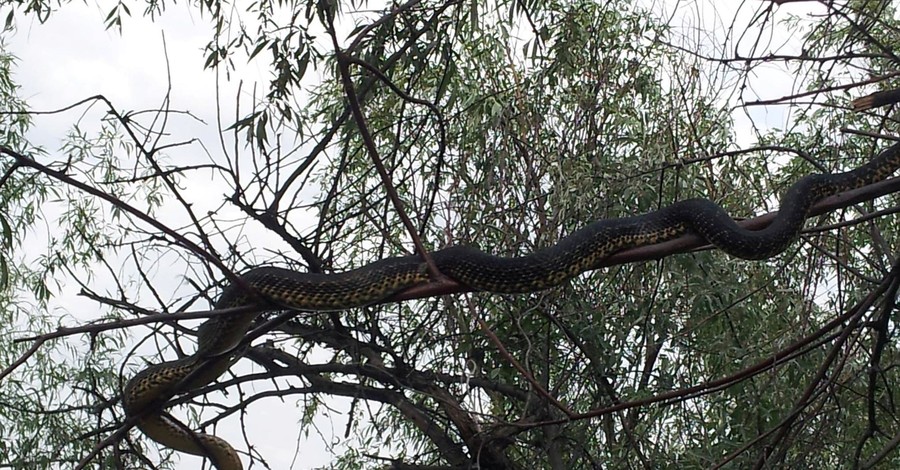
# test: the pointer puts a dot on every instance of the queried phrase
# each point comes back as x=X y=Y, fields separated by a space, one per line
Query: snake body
x=578 y=252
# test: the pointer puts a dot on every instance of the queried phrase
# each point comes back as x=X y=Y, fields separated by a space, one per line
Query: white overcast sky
x=72 y=57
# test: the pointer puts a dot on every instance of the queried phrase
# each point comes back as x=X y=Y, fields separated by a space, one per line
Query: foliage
x=501 y=124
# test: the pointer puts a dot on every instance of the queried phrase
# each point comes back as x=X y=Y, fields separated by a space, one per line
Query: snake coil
x=581 y=251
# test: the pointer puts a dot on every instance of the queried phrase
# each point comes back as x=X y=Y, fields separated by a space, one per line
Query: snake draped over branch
x=581 y=251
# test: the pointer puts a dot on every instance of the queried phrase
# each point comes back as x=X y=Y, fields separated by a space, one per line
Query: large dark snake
x=581 y=251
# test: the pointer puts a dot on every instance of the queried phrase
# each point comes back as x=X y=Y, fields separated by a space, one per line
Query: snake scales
x=581 y=251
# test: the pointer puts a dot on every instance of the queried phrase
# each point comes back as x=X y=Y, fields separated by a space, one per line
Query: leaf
x=259 y=47
x=261 y=136
x=4 y=273
x=302 y=64
x=242 y=123
x=6 y=231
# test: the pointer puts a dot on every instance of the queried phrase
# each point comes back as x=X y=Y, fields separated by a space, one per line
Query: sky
x=73 y=56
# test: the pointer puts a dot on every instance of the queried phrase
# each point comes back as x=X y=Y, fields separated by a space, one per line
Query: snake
x=219 y=338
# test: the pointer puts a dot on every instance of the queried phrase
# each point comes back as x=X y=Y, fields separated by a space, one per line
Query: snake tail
x=161 y=428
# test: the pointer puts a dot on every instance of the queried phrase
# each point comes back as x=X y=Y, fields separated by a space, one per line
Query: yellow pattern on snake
x=581 y=251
